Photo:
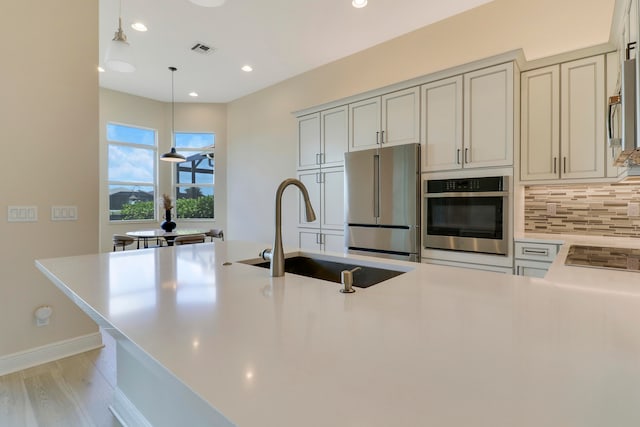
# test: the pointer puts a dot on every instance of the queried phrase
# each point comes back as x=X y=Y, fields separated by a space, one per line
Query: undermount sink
x=323 y=269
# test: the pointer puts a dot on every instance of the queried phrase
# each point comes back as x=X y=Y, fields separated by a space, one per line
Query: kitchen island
x=211 y=341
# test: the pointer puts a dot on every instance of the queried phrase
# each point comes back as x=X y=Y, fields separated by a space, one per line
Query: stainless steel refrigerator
x=382 y=199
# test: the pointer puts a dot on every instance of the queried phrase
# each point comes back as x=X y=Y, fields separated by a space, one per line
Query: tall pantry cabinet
x=322 y=142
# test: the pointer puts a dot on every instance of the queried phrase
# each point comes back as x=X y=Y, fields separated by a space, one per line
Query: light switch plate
x=22 y=214
x=64 y=213
x=633 y=209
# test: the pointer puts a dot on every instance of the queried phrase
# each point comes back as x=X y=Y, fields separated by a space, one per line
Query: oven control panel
x=494 y=183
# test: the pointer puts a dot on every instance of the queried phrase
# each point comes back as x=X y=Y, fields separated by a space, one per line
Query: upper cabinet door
x=401 y=117
x=364 y=124
x=334 y=135
x=582 y=110
x=540 y=124
x=488 y=109
x=309 y=141
x=442 y=125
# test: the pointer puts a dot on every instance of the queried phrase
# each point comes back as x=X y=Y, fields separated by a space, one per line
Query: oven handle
x=469 y=194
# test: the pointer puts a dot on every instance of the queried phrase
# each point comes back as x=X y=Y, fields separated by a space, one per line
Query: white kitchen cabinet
x=323 y=138
x=330 y=241
x=441 y=115
x=326 y=192
x=531 y=268
x=334 y=133
x=390 y=119
x=533 y=259
x=540 y=124
x=488 y=117
x=308 y=140
x=563 y=119
x=582 y=116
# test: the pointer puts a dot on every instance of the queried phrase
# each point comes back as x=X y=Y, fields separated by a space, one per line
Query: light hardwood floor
x=71 y=392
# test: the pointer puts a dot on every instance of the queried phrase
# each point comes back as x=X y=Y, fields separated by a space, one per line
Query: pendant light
x=172 y=156
x=119 y=56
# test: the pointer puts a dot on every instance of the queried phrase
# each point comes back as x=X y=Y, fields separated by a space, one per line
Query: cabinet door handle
x=466 y=155
x=555 y=165
x=382 y=137
x=322 y=159
x=458 y=156
x=378 y=137
x=317 y=177
x=317 y=158
x=317 y=238
x=530 y=251
x=517 y=270
x=564 y=164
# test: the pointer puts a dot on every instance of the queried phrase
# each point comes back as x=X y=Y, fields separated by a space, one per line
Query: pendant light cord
x=173 y=113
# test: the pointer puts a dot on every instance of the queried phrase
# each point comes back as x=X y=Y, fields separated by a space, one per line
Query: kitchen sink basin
x=330 y=271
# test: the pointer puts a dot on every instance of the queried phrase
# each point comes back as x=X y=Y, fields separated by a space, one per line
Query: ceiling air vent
x=202 y=48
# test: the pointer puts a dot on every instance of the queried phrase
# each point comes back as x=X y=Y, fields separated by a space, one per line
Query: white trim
x=126 y=412
x=48 y=353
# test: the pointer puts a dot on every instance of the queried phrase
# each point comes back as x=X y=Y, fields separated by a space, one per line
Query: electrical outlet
x=633 y=209
x=551 y=209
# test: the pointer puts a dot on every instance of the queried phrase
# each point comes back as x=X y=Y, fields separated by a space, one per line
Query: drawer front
x=536 y=251
x=531 y=268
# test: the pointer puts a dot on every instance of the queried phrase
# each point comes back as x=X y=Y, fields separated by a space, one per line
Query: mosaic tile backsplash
x=593 y=209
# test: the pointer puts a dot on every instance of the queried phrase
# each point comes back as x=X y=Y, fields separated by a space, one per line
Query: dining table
x=158 y=233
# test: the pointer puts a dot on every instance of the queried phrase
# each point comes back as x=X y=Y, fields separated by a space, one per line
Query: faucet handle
x=266 y=254
x=346 y=277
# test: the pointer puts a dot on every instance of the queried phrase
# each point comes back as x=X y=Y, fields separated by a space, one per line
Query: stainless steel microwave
x=468 y=214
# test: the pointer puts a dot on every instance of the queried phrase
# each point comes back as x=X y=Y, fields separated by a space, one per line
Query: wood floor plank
x=15 y=409
x=51 y=405
x=90 y=388
x=72 y=392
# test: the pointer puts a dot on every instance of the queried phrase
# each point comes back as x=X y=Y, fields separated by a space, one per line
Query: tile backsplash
x=593 y=209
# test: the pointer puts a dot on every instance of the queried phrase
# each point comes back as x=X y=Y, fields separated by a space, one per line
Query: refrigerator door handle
x=376 y=185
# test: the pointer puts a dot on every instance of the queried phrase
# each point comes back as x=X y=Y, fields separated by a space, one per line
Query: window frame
x=187 y=151
x=154 y=149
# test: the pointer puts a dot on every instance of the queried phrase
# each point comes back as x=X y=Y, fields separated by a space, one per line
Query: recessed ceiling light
x=139 y=26
x=100 y=70
x=247 y=68
x=359 y=3
x=193 y=94
x=209 y=3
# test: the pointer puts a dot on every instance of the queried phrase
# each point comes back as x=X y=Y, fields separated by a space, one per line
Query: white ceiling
x=278 y=38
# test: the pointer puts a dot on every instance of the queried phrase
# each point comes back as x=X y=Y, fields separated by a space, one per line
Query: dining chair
x=187 y=240
x=215 y=232
x=122 y=241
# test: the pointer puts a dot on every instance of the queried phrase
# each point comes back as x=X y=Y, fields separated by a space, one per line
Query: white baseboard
x=48 y=353
x=126 y=412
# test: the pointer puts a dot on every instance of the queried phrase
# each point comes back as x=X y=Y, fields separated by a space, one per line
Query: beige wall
x=137 y=111
x=48 y=125
x=262 y=131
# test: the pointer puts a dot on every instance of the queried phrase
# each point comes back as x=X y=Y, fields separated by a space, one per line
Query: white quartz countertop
x=436 y=346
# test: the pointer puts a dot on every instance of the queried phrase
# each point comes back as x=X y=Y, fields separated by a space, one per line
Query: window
x=131 y=172
x=195 y=178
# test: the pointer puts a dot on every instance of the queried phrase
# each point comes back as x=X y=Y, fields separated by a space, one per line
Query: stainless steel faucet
x=276 y=254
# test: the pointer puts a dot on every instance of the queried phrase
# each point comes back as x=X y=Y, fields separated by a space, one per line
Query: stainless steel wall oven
x=469 y=214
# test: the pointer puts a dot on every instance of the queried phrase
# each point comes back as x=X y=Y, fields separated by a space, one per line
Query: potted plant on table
x=167 y=225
